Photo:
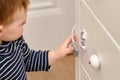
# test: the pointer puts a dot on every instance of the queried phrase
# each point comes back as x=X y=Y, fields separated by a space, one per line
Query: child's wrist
x=53 y=57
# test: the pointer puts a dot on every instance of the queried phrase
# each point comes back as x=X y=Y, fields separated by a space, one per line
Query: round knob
x=94 y=62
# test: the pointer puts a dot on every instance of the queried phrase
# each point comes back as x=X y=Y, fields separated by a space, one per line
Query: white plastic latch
x=83 y=39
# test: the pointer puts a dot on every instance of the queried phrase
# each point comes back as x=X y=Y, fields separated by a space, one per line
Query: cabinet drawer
x=84 y=75
x=99 y=43
x=108 y=13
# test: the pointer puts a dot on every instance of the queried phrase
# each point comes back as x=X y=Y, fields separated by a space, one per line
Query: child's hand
x=62 y=51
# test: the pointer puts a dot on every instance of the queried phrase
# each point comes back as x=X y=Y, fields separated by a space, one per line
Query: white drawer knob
x=94 y=62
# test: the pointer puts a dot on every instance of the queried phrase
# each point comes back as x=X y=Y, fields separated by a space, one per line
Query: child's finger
x=68 y=41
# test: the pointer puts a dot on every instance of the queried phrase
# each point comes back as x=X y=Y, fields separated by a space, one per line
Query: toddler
x=15 y=56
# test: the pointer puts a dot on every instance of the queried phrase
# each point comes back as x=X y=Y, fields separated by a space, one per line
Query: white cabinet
x=108 y=13
x=102 y=39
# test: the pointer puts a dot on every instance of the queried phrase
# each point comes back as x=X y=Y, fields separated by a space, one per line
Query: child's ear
x=1 y=30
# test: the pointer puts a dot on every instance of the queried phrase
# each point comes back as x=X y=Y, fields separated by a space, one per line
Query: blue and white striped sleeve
x=35 y=60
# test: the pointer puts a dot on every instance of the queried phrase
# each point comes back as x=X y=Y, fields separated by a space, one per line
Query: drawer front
x=100 y=44
x=108 y=13
x=84 y=75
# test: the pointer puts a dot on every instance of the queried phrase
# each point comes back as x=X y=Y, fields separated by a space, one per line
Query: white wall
x=49 y=23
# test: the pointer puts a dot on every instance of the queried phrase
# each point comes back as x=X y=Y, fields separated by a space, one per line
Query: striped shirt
x=16 y=58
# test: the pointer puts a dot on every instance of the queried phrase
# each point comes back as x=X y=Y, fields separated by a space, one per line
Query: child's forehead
x=19 y=14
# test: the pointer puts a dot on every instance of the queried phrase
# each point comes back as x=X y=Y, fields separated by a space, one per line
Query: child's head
x=13 y=15
x=8 y=7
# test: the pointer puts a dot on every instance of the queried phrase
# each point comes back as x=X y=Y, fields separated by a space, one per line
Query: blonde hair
x=8 y=7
